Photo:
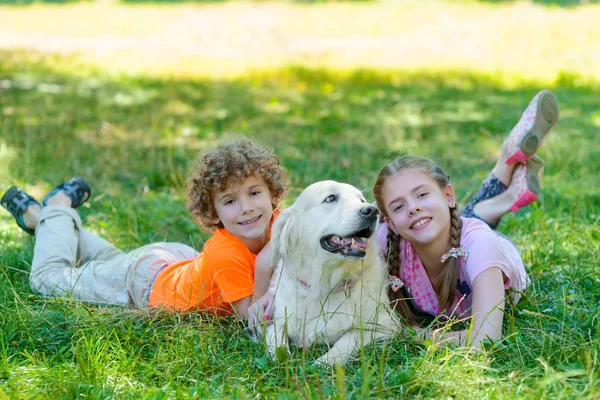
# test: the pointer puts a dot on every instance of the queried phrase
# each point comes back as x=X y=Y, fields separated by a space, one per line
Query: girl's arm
x=488 y=306
x=487 y=312
x=263 y=269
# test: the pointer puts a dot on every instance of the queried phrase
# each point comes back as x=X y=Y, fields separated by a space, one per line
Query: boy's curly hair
x=230 y=164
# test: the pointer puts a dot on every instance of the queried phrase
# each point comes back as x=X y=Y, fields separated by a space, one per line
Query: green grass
x=132 y=135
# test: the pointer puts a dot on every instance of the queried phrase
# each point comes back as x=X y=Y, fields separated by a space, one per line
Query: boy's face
x=245 y=210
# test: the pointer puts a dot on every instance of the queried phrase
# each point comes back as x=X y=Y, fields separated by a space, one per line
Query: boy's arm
x=263 y=269
x=231 y=273
x=256 y=312
x=240 y=307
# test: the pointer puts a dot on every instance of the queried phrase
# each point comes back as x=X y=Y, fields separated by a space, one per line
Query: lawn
x=334 y=114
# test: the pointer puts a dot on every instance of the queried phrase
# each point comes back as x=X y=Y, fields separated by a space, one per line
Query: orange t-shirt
x=222 y=274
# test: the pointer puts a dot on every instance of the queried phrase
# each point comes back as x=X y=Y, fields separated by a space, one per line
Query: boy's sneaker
x=77 y=189
x=16 y=201
x=526 y=182
x=537 y=120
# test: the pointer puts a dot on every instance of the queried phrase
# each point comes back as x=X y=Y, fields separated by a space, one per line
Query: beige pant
x=70 y=261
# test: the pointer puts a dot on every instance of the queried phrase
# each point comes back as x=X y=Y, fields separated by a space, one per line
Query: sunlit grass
x=508 y=40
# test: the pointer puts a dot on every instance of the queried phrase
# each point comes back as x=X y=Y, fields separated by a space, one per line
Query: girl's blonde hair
x=446 y=285
x=229 y=164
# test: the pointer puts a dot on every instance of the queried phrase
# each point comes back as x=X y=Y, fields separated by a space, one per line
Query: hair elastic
x=455 y=252
x=395 y=283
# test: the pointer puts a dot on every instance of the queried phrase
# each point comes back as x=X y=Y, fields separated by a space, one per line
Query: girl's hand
x=422 y=334
x=440 y=335
x=487 y=314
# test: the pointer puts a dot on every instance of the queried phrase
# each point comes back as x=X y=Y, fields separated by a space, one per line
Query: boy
x=233 y=190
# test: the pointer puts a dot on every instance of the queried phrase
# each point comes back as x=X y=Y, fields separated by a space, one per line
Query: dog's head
x=328 y=217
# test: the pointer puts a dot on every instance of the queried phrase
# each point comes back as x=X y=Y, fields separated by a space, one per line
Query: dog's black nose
x=369 y=210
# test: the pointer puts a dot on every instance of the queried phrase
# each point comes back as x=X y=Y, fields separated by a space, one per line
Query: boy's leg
x=93 y=247
x=55 y=270
x=146 y=262
x=55 y=250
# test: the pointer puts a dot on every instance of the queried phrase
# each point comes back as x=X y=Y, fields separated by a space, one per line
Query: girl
x=442 y=263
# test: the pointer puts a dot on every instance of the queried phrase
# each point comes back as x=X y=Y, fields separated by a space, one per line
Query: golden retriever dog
x=330 y=282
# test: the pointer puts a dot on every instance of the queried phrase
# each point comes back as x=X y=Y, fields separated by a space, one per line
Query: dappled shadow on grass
x=132 y=138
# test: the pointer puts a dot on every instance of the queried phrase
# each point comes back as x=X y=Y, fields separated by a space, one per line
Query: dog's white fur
x=310 y=300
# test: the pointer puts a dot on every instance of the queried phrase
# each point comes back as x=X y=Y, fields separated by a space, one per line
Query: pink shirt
x=486 y=249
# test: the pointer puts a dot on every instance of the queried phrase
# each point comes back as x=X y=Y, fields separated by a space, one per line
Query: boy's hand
x=261 y=312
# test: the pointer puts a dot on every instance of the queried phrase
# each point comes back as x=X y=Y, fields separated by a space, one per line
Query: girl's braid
x=399 y=298
x=446 y=282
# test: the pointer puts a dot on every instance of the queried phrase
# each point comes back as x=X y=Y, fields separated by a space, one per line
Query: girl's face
x=416 y=208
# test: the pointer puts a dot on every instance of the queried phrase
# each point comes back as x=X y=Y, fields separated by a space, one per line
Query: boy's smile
x=245 y=210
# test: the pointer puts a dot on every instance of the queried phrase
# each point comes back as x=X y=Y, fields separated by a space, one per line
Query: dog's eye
x=331 y=198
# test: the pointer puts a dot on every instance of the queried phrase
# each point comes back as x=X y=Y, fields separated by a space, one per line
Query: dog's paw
x=254 y=338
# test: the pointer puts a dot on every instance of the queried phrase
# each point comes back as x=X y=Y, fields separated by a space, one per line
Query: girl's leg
x=491 y=187
x=494 y=185
x=492 y=201
x=523 y=190
x=491 y=210
x=502 y=170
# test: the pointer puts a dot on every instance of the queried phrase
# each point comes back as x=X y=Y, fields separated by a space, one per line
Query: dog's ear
x=284 y=234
